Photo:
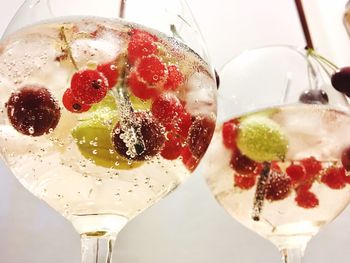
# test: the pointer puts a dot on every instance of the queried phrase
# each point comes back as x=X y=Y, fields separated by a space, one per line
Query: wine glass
x=279 y=159
x=106 y=107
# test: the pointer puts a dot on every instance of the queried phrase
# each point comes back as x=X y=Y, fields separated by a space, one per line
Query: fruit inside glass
x=279 y=159
x=106 y=107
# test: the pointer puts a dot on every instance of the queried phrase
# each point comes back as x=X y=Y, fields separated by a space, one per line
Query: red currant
x=140 y=89
x=141 y=44
x=172 y=147
x=175 y=78
x=111 y=72
x=72 y=105
x=229 y=134
x=312 y=166
x=241 y=163
x=306 y=199
x=166 y=107
x=89 y=86
x=151 y=70
x=244 y=182
x=188 y=159
x=296 y=173
x=334 y=177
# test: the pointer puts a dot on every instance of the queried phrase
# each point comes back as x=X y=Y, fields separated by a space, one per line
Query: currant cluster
x=299 y=176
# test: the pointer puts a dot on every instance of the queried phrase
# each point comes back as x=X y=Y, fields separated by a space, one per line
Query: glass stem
x=292 y=255
x=97 y=249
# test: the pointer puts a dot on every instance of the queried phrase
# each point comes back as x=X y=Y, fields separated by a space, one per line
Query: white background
x=187 y=227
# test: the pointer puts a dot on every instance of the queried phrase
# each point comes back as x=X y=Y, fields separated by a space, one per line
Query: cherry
x=89 y=86
x=166 y=107
x=229 y=133
x=296 y=173
x=33 y=111
x=345 y=158
x=172 y=147
x=306 y=199
x=334 y=177
x=341 y=79
x=110 y=71
x=152 y=136
x=141 y=44
x=314 y=96
x=72 y=105
x=241 y=163
x=175 y=78
x=200 y=134
x=244 y=182
x=141 y=89
x=278 y=186
x=151 y=70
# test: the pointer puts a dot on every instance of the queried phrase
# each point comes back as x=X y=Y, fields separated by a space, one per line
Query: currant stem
x=68 y=49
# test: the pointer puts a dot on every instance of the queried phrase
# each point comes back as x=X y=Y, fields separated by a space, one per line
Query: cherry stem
x=304 y=25
x=68 y=49
x=260 y=191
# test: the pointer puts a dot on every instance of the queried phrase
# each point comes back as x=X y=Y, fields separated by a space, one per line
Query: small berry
x=188 y=159
x=334 y=177
x=312 y=166
x=151 y=70
x=229 y=134
x=166 y=107
x=345 y=158
x=275 y=167
x=314 y=96
x=182 y=124
x=200 y=135
x=141 y=44
x=241 y=163
x=111 y=72
x=278 y=186
x=175 y=78
x=89 y=86
x=296 y=173
x=141 y=89
x=172 y=148
x=341 y=79
x=72 y=105
x=33 y=111
x=306 y=199
x=244 y=182
x=152 y=136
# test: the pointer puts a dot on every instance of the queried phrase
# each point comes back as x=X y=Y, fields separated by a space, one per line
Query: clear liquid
x=311 y=131
x=78 y=175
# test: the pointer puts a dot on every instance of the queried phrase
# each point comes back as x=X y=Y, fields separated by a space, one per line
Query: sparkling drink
x=280 y=171
x=102 y=118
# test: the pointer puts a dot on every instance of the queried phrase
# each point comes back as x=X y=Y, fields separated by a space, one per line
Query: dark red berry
x=152 y=137
x=200 y=135
x=151 y=70
x=241 y=163
x=33 y=111
x=244 y=182
x=71 y=104
x=229 y=134
x=166 y=107
x=314 y=96
x=89 y=86
x=312 y=166
x=111 y=72
x=182 y=124
x=141 y=89
x=306 y=199
x=341 y=79
x=334 y=177
x=141 y=44
x=172 y=147
x=278 y=186
x=175 y=78
x=296 y=173
x=188 y=159
x=345 y=158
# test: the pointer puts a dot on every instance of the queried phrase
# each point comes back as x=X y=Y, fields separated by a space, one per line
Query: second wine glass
x=278 y=162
